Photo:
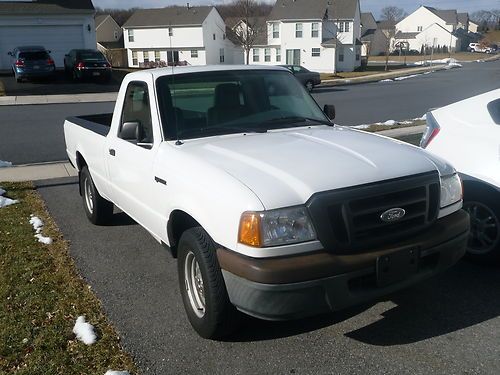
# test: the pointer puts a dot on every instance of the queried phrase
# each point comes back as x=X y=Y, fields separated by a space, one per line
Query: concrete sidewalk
x=47 y=171
x=58 y=99
x=36 y=172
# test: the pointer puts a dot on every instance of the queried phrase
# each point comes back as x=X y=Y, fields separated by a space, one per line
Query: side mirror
x=329 y=110
x=49 y=51
x=130 y=131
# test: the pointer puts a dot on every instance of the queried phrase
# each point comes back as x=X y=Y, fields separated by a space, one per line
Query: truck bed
x=99 y=124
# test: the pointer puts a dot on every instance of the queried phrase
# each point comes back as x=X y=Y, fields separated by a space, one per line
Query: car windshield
x=224 y=102
x=34 y=55
x=91 y=56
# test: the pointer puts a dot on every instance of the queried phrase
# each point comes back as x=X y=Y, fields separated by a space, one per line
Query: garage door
x=58 y=39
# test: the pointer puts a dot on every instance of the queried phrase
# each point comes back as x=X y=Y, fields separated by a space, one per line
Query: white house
x=321 y=35
x=178 y=36
x=473 y=27
x=57 y=25
x=431 y=27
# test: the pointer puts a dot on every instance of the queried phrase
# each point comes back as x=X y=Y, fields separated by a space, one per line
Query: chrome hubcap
x=193 y=281
x=485 y=232
x=89 y=196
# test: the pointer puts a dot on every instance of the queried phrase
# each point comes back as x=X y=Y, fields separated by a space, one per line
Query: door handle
x=160 y=180
x=112 y=152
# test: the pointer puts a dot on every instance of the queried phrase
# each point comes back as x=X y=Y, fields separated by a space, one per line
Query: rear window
x=494 y=109
x=31 y=56
x=91 y=56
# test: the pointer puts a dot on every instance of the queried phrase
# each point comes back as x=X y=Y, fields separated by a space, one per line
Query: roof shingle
x=313 y=10
x=46 y=7
x=171 y=16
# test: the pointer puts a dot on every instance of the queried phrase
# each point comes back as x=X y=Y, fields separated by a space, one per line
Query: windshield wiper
x=295 y=120
x=215 y=130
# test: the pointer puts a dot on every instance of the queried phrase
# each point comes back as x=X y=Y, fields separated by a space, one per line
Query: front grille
x=350 y=219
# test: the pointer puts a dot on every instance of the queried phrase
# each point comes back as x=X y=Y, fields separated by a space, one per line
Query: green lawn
x=41 y=296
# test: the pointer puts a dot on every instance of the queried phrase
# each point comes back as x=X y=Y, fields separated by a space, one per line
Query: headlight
x=276 y=227
x=451 y=190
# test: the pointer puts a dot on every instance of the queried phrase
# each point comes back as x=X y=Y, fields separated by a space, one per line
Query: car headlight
x=451 y=190
x=276 y=227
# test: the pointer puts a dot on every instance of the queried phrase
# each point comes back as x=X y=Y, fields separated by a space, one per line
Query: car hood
x=286 y=167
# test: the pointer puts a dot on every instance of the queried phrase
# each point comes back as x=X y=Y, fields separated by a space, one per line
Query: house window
x=256 y=53
x=170 y=31
x=340 y=26
x=146 y=57
x=214 y=37
x=135 y=61
x=224 y=36
x=194 y=54
x=115 y=34
x=347 y=26
x=276 y=30
x=267 y=54
x=298 y=30
x=131 y=35
x=315 y=30
x=157 y=56
x=278 y=54
x=221 y=55
x=419 y=28
x=344 y=26
x=316 y=52
x=341 y=54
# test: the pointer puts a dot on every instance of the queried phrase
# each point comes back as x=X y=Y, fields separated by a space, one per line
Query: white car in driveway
x=467 y=134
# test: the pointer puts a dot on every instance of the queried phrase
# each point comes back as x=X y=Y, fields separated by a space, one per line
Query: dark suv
x=32 y=62
x=87 y=64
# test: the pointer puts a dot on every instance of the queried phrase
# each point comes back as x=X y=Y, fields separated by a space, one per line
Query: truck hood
x=286 y=167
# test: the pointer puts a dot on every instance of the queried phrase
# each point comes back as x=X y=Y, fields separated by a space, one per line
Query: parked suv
x=87 y=64
x=478 y=47
x=467 y=134
x=32 y=62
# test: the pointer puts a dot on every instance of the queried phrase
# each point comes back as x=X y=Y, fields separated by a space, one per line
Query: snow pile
x=406 y=77
x=112 y=372
x=453 y=65
x=423 y=118
x=386 y=80
x=388 y=123
x=84 y=331
x=5 y=164
x=4 y=201
x=37 y=224
x=360 y=126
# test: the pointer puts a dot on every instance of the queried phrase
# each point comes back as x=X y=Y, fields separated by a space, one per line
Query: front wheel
x=484 y=237
x=99 y=211
x=202 y=286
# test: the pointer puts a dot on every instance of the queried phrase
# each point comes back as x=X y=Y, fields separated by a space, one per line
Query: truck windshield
x=204 y=104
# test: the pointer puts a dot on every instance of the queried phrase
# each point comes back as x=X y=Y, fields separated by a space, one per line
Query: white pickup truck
x=269 y=208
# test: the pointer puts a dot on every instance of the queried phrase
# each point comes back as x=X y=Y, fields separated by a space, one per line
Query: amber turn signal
x=249 y=233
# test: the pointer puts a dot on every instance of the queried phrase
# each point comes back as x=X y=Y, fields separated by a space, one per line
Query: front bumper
x=305 y=285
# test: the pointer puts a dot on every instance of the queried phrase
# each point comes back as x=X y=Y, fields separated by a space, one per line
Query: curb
x=2 y=89
x=52 y=170
x=58 y=99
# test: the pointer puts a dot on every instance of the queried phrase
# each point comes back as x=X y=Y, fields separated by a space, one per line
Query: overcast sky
x=373 y=6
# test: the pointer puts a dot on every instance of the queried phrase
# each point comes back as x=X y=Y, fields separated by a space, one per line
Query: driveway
x=61 y=84
x=447 y=325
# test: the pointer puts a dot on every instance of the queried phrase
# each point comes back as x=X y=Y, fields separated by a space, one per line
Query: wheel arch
x=178 y=222
x=80 y=163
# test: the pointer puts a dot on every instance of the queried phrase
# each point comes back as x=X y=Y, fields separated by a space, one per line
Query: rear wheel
x=484 y=238
x=309 y=86
x=202 y=286
x=99 y=211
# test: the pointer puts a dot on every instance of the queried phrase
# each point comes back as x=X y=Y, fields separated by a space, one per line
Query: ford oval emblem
x=392 y=215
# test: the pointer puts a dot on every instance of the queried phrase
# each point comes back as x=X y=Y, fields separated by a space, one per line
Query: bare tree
x=390 y=16
x=252 y=28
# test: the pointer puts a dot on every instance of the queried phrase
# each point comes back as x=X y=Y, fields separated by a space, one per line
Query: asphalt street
x=447 y=325
x=33 y=134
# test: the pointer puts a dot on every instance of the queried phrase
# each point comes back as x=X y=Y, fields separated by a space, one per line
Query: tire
x=309 y=86
x=202 y=286
x=99 y=211
x=484 y=238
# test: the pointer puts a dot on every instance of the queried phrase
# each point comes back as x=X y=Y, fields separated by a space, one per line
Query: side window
x=136 y=125
x=494 y=109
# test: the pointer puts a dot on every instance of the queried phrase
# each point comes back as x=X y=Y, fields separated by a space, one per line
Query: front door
x=293 y=56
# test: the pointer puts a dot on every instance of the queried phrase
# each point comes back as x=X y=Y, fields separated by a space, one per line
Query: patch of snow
x=112 y=372
x=4 y=201
x=360 y=126
x=423 y=118
x=388 y=123
x=43 y=239
x=84 y=331
x=453 y=65
x=5 y=164
x=406 y=77
x=386 y=80
x=37 y=223
x=406 y=122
